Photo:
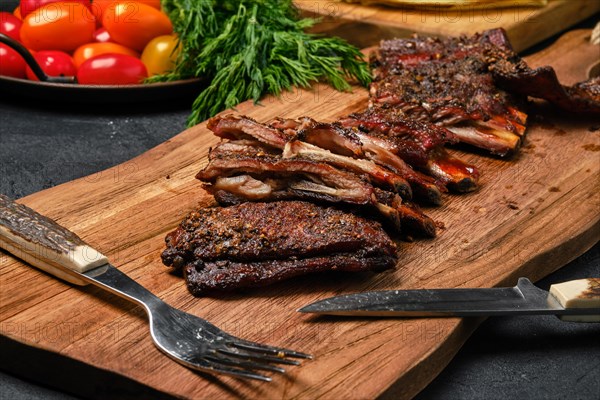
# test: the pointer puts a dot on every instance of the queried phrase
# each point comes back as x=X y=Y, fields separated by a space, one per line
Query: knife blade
x=577 y=300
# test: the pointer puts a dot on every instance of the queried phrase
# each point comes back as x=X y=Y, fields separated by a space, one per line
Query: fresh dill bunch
x=249 y=48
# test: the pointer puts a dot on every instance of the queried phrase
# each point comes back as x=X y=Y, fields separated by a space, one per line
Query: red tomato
x=54 y=63
x=29 y=6
x=58 y=26
x=102 y=36
x=134 y=24
x=10 y=25
x=11 y=62
x=90 y=50
x=112 y=69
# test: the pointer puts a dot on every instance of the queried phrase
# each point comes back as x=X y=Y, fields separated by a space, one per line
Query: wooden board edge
x=424 y=372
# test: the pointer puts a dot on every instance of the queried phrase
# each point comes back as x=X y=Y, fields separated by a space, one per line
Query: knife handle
x=581 y=293
x=45 y=244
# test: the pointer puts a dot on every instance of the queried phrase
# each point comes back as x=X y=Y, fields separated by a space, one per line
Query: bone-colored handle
x=45 y=244
x=581 y=293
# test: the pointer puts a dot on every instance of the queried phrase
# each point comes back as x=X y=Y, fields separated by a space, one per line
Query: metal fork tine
x=241 y=363
x=259 y=357
x=215 y=365
x=261 y=348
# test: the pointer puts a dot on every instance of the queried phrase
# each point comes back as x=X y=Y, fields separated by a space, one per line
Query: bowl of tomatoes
x=90 y=50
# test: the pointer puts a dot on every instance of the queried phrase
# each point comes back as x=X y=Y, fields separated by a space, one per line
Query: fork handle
x=45 y=244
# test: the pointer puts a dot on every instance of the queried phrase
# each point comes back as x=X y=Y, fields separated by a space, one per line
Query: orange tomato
x=99 y=7
x=17 y=12
x=160 y=54
x=134 y=24
x=58 y=26
x=89 y=50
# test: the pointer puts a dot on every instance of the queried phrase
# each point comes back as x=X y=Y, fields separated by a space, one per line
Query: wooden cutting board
x=532 y=215
x=366 y=25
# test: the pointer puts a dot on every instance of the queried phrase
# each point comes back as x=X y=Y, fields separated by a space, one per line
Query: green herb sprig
x=248 y=48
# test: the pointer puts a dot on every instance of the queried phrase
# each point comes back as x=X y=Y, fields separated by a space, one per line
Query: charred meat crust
x=252 y=244
x=224 y=275
x=452 y=82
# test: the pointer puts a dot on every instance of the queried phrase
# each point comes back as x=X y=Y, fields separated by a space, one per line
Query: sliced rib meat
x=419 y=144
x=448 y=82
x=335 y=138
x=379 y=176
x=233 y=158
x=291 y=142
x=241 y=127
x=253 y=244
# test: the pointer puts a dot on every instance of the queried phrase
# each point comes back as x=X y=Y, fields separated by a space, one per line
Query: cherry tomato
x=58 y=26
x=160 y=54
x=29 y=6
x=99 y=7
x=10 y=25
x=112 y=69
x=90 y=50
x=17 y=12
x=102 y=36
x=11 y=62
x=134 y=24
x=54 y=63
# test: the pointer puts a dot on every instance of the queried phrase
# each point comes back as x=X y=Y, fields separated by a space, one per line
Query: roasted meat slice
x=248 y=170
x=542 y=83
x=418 y=143
x=513 y=74
x=588 y=91
x=400 y=216
x=255 y=244
x=449 y=82
x=242 y=127
x=456 y=174
x=293 y=146
x=409 y=138
x=332 y=137
x=246 y=158
x=335 y=138
x=412 y=219
x=379 y=176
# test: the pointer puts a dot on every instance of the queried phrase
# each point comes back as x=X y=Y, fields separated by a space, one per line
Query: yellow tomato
x=160 y=54
x=134 y=24
x=89 y=50
x=17 y=12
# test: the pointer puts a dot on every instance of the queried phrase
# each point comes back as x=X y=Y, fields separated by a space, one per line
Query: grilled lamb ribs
x=384 y=130
x=255 y=244
x=339 y=140
x=284 y=188
x=474 y=86
x=330 y=166
x=449 y=82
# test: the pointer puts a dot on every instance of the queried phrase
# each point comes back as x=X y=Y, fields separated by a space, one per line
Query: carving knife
x=577 y=300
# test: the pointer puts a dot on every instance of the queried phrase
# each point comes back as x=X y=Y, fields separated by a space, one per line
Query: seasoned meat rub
x=254 y=244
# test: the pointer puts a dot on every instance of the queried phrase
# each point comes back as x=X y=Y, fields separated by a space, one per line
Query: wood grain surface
x=366 y=25
x=533 y=214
